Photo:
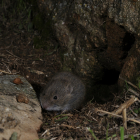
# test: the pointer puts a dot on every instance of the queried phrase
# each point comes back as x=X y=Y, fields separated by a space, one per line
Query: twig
x=133 y=112
x=125 y=105
x=129 y=83
x=124 y=118
x=6 y=67
x=5 y=72
x=15 y=55
x=69 y=126
x=134 y=92
x=45 y=132
x=128 y=119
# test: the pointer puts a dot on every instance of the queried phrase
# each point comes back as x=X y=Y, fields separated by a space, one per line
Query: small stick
x=134 y=92
x=14 y=55
x=45 y=132
x=5 y=72
x=69 y=126
x=124 y=118
x=129 y=83
x=125 y=105
x=128 y=119
x=6 y=67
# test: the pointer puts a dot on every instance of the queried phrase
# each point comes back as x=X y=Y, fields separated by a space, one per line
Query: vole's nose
x=44 y=105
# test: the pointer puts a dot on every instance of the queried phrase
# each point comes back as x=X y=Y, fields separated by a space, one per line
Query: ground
x=19 y=55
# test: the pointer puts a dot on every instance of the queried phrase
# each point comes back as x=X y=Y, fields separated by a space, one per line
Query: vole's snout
x=43 y=105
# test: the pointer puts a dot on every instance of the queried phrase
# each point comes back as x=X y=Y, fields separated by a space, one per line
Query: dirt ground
x=18 y=55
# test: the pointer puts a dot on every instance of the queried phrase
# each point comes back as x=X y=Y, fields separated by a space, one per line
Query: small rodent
x=64 y=92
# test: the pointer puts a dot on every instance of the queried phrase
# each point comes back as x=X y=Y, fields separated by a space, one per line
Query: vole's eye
x=55 y=97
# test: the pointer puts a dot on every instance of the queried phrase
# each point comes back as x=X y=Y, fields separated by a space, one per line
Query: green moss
x=17 y=13
x=66 y=68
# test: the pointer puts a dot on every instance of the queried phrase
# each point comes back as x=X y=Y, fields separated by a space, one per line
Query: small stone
x=22 y=98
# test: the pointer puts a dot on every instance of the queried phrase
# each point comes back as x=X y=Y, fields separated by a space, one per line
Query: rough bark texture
x=131 y=68
x=95 y=36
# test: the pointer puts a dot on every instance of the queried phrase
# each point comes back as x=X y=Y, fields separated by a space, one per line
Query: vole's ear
x=69 y=89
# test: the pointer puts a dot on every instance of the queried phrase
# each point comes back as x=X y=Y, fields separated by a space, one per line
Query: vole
x=64 y=92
